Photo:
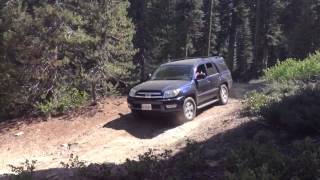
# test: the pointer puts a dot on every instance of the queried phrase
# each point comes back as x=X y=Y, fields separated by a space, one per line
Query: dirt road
x=110 y=134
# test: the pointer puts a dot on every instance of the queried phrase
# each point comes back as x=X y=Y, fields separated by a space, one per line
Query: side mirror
x=200 y=76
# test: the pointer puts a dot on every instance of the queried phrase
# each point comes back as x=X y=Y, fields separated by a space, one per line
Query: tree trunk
x=141 y=33
x=232 y=41
x=257 y=45
x=210 y=29
x=265 y=61
x=142 y=65
x=93 y=93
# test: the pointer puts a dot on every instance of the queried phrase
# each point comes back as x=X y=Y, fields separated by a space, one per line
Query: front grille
x=136 y=106
x=156 y=107
x=149 y=94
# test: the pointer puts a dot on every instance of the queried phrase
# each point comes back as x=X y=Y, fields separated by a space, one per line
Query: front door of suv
x=203 y=85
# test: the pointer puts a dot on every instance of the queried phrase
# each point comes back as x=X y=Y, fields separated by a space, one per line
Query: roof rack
x=186 y=58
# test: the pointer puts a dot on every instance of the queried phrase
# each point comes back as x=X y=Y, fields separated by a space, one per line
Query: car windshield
x=173 y=72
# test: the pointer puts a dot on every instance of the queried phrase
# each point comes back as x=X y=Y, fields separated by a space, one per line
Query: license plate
x=146 y=107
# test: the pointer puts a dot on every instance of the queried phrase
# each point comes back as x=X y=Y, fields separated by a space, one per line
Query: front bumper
x=158 y=105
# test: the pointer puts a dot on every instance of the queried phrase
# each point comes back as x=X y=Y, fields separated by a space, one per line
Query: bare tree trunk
x=142 y=65
x=210 y=29
x=232 y=41
x=257 y=58
x=93 y=93
x=141 y=31
x=265 y=57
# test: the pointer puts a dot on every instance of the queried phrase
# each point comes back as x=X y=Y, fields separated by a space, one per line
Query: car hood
x=161 y=85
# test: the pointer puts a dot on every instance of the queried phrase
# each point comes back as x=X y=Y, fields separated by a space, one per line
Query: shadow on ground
x=210 y=164
x=147 y=127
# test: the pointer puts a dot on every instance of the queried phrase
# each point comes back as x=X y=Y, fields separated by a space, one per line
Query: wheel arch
x=225 y=83
x=193 y=96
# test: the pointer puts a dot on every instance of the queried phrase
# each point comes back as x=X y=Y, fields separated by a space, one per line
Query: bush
x=23 y=172
x=62 y=101
x=294 y=108
x=255 y=101
x=273 y=92
x=293 y=70
x=253 y=161
x=298 y=113
x=151 y=165
x=291 y=100
x=148 y=166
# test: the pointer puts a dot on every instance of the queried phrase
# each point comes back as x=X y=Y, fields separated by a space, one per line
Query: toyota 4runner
x=183 y=87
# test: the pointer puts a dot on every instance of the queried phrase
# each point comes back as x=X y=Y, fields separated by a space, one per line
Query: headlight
x=171 y=93
x=132 y=92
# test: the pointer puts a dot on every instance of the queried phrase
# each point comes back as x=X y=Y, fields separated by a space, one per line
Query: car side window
x=211 y=69
x=201 y=70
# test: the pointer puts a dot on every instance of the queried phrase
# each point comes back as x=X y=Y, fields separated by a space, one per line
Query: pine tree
x=109 y=58
x=213 y=26
x=301 y=24
x=225 y=9
x=244 y=40
x=232 y=37
x=155 y=32
x=138 y=12
x=189 y=23
x=268 y=36
x=50 y=46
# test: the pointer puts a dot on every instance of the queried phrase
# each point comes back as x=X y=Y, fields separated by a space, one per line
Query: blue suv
x=183 y=87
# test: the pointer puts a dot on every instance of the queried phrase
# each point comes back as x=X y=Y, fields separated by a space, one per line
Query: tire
x=223 y=94
x=189 y=111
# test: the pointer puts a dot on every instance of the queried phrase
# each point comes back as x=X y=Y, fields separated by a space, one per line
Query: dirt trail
x=111 y=134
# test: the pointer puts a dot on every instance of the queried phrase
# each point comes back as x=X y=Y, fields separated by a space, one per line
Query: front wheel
x=223 y=94
x=189 y=111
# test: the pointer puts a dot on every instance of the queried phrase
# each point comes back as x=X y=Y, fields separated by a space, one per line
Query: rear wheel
x=224 y=94
x=188 y=112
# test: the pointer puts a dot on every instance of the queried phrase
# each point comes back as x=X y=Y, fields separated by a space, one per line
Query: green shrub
x=73 y=162
x=292 y=107
x=289 y=100
x=63 y=100
x=293 y=69
x=278 y=90
x=255 y=101
x=255 y=161
x=152 y=165
x=273 y=92
x=148 y=166
x=23 y=172
x=298 y=113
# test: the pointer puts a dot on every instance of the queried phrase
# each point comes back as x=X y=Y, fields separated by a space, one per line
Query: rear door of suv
x=214 y=78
